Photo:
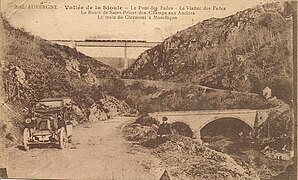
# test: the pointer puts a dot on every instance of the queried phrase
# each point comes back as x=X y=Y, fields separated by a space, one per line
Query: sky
x=53 y=24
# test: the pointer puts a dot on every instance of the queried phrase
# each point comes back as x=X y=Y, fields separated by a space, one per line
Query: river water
x=245 y=151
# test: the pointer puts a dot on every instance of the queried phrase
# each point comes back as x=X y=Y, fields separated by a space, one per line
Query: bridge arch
x=182 y=128
x=228 y=126
x=226 y=117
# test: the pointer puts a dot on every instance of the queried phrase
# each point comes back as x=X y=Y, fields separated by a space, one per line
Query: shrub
x=115 y=87
x=146 y=121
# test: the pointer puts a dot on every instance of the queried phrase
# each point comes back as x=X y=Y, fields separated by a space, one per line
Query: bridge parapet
x=229 y=111
x=223 y=113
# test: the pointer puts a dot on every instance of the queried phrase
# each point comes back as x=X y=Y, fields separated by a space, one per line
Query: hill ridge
x=245 y=51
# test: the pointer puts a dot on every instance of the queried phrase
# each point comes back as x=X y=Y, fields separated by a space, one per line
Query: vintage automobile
x=50 y=122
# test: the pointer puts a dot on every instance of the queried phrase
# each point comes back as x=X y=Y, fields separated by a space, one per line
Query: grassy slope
x=46 y=74
x=44 y=64
x=151 y=96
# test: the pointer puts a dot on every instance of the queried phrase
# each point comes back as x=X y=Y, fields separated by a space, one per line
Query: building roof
x=267 y=88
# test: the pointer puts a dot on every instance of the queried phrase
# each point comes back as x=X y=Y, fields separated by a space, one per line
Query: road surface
x=98 y=151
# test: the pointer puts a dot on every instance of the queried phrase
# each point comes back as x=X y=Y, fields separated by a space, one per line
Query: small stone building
x=267 y=92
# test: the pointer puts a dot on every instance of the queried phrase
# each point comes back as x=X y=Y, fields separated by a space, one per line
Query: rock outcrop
x=245 y=51
x=97 y=114
x=186 y=158
x=114 y=106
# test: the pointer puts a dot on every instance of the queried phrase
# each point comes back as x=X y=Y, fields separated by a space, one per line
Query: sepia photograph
x=148 y=89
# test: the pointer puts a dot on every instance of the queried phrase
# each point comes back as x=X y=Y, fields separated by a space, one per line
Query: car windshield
x=49 y=104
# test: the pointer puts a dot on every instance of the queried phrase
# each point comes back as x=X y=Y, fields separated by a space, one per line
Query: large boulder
x=97 y=114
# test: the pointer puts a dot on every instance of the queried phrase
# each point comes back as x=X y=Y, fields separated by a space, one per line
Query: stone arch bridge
x=197 y=120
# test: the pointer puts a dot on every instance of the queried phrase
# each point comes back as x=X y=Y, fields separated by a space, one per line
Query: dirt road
x=98 y=151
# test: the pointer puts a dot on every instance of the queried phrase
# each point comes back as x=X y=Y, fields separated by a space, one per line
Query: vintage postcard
x=148 y=90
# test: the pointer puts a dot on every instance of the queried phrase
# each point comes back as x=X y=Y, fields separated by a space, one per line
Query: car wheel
x=62 y=138
x=26 y=136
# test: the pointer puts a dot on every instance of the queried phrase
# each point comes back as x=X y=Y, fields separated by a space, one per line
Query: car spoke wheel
x=26 y=136
x=62 y=138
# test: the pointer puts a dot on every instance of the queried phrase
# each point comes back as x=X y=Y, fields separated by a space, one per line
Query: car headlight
x=28 y=120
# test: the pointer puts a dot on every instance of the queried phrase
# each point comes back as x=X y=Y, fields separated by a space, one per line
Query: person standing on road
x=164 y=130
